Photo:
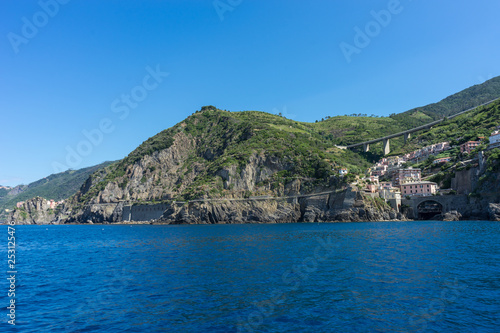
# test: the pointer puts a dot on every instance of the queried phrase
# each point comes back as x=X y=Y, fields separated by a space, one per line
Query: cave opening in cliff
x=427 y=210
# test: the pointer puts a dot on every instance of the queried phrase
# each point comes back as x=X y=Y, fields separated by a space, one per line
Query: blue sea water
x=327 y=277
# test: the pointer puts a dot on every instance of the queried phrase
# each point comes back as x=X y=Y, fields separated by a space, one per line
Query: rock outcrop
x=450 y=216
x=232 y=212
x=33 y=211
x=494 y=211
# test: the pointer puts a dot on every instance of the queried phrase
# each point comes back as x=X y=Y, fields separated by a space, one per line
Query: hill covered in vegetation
x=461 y=101
x=346 y=130
x=215 y=153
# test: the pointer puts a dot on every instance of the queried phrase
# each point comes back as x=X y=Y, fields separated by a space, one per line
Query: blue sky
x=75 y=67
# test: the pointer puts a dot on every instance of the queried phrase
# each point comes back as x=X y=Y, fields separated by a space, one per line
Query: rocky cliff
x=340 y=206
x=33 y=211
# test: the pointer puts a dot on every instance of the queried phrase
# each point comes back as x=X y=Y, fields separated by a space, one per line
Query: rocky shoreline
x=345 y=206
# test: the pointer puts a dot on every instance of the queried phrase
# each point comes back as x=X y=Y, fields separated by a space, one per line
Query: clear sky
x=83 y=82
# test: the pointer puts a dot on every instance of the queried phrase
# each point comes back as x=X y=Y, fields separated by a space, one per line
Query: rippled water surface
x=329 y=277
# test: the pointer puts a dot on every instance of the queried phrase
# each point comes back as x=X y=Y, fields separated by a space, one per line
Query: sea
x=422 y=276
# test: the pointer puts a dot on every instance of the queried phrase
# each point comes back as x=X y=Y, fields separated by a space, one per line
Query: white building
x=343 y=171
x=494 y=140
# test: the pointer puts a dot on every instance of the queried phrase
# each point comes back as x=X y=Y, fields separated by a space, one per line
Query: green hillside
x=463 y=100
x=3 y=192
x=234 y=136
x=479 y=122
x=346 y=130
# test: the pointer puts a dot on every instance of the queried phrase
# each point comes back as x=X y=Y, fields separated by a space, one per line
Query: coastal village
x=50 y=204
x=391 y=179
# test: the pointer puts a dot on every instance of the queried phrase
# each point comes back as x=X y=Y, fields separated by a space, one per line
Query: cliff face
x=164 y=175
x=341 y=206
x=33 y=211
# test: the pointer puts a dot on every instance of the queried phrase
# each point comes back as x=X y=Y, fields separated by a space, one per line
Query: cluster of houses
x=390 y=164
x=50 y=203
x=407 y=182
x=425 y=152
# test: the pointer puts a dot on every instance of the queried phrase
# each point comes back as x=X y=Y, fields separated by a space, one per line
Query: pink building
x=422 y=188
x=371 y=188
x=469 y=146
x=52 y=204
x=19 y=204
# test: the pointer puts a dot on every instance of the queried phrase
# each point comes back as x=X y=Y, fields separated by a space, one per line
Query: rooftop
x=418 y=183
